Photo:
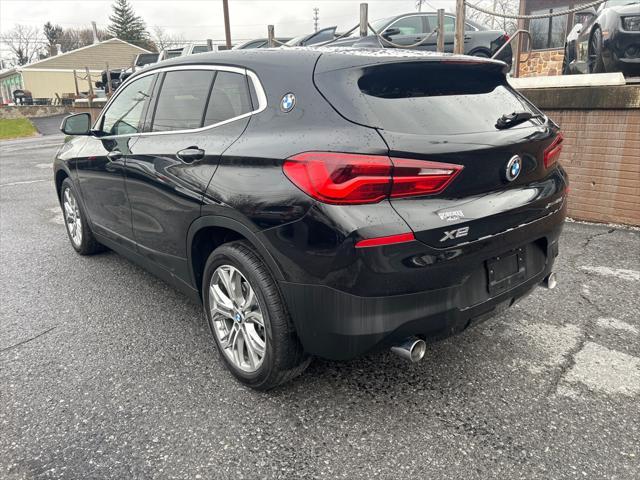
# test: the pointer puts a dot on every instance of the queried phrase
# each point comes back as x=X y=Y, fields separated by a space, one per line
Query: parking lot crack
x=23 y=342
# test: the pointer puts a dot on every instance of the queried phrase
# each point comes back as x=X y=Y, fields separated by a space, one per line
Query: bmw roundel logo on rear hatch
x=288 y=102
x=514 y=167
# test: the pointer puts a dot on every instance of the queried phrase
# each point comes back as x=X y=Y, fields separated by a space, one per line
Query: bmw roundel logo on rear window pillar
x=288 y=102
x=514 y=167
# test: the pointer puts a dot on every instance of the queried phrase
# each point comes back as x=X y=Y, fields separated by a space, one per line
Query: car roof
x=287 y=58
x=411 y=14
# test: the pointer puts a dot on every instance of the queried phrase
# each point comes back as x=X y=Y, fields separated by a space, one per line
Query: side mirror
x=78 y=124
x=390 y=32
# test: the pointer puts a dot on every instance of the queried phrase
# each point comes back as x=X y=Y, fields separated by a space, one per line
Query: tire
x=565 y=63
x=75 y=221
x=480 y=53
x=283 y=357
x=596 y=62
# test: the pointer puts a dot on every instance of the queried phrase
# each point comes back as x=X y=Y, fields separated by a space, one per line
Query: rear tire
x=481 y=54
x=75 y=220
x=280 y=356
x=596 y=62
x=565 y=63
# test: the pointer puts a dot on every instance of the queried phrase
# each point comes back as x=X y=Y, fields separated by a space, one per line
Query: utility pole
x=227 y=28
x=316 y=16
x=458 y=44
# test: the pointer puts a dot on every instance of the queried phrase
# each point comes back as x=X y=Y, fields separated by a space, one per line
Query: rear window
x=446 y=101
x=426 y=98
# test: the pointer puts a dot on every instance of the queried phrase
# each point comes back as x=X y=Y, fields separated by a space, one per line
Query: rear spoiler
x=337 y=58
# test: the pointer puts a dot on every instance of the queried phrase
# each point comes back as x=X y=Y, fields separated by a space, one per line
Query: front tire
x=75 y=220
x=248 y=318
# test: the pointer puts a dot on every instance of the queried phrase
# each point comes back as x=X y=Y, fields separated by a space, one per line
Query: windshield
x=378 y=25
x=294 y=41
x=618 y=3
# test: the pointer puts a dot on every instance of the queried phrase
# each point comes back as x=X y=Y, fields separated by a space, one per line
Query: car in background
x=260 y=43
x=321 y=36
x=327 y=202
x=605 y=40
x=119 y=75
x=409 y=29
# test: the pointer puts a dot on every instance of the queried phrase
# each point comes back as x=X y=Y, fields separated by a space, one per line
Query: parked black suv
x=321 y=201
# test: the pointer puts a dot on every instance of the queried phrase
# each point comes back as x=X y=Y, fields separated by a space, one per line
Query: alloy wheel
x=72 y=218
x=237 y=318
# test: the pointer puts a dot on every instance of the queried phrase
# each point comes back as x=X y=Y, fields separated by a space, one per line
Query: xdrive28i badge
x=514 y=167
x=288 y=102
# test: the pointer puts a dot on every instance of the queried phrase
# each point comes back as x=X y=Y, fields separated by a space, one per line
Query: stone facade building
x=548 y=36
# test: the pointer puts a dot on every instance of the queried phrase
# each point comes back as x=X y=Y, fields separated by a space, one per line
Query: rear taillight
x=346 y=178
x=420 y=177
x=552 y=152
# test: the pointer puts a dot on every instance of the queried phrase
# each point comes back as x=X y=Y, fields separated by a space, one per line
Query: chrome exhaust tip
x=411 y=349
x=551 y=281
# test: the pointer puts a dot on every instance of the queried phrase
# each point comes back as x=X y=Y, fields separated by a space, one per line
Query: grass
x=16 y=128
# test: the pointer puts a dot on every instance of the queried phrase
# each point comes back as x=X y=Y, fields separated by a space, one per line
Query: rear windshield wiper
x=512 y=119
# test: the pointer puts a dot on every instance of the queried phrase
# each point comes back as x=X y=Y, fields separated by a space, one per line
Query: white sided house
x=54 y=75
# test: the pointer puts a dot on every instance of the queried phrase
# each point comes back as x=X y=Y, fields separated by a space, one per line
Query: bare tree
x=73 y=38
x=508 y=7
x=164 y=40
x=25 y=43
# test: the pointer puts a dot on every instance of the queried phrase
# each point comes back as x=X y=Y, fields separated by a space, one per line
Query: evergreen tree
x=52 y=33
x=128 y=26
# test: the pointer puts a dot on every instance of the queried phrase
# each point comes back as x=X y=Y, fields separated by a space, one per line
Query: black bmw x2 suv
x=321 y=202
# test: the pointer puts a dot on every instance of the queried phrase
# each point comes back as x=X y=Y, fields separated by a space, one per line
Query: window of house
x=548 y=32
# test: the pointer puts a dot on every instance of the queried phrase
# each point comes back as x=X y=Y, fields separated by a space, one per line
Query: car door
x=198 y=114
x=101 y=167
x=449 y=33
x=407 y=30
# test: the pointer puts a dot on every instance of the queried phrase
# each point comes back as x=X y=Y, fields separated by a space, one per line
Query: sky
x=202 y=19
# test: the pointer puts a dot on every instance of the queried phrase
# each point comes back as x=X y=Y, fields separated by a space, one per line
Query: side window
x=449 y=23
x=412 y=25
x=229 y=98
x=182 y=99
x=123 y=115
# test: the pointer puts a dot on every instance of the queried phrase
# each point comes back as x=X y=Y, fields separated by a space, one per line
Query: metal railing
x=515 y=35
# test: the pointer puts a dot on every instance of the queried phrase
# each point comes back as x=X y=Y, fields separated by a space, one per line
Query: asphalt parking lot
x=106 y=372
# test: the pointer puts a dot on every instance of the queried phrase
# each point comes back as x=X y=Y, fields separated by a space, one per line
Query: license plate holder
x=506 y=271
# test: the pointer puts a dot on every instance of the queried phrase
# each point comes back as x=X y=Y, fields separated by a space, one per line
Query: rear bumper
x=337 y=325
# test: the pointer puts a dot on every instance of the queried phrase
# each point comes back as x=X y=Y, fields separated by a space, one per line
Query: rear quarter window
x=182 y=100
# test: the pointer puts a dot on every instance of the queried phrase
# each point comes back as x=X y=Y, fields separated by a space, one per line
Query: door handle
x=190 y=154
x=114 y=155
x=467 y=37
